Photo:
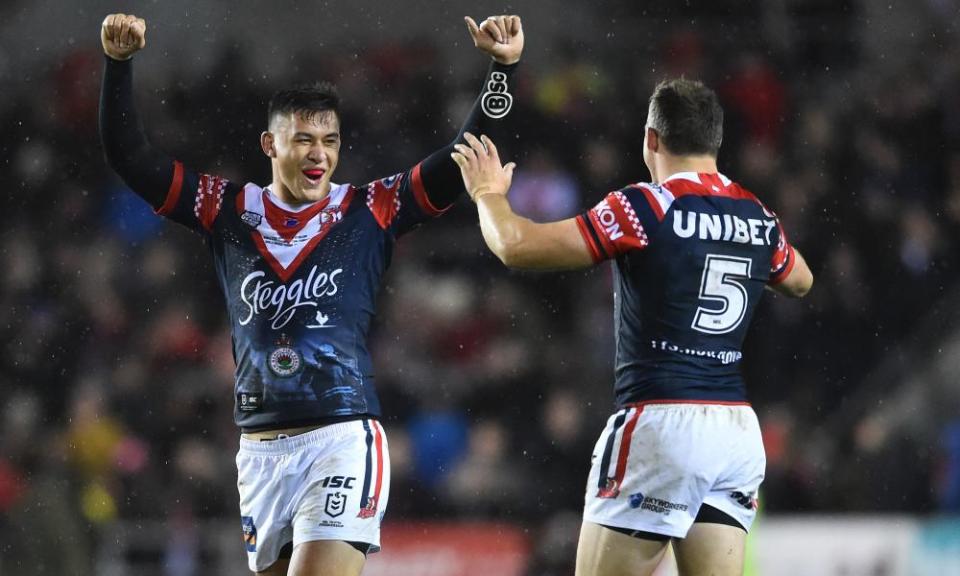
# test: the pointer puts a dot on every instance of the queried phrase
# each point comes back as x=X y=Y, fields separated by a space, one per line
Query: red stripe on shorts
x=625 y=446
x=376 y=491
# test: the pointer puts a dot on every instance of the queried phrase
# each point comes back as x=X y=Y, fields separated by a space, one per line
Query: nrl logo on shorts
x=336 y=504
x=285 y=361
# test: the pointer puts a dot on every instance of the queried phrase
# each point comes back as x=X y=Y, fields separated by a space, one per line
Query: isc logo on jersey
x=726 y=227
x=281 y=301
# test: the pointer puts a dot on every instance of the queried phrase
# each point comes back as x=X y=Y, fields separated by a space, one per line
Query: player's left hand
x=499 y=36
x=480 y=167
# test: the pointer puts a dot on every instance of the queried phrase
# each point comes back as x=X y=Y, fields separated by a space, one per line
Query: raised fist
x=122 y=35
x=499 y=36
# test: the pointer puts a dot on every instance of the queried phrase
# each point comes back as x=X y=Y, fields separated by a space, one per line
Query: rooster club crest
x=330 y=216
x=610 y=490
x=285 y=361
x=370 y=510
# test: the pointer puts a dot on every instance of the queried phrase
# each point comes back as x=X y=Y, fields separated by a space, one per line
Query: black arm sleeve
x=489 y=115
x=145 y=170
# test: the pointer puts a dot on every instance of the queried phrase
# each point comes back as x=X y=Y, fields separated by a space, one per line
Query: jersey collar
x=694 y=177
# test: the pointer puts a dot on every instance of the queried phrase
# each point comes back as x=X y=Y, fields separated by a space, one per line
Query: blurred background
x=116 y=437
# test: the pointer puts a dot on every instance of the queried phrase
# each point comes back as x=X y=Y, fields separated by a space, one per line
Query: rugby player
x=300 y=262
x=681 y=459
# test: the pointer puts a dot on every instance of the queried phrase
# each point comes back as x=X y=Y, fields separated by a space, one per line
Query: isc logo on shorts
x=338 y=482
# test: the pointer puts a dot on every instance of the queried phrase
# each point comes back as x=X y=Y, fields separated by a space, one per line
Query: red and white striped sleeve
x=614 y=227
x=194 y=199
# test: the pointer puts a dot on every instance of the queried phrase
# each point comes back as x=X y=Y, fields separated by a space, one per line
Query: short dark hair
x=687 y=116
x=310 y=101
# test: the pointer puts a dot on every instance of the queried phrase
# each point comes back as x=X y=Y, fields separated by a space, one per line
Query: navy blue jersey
x=300 y=285
x=692 y=256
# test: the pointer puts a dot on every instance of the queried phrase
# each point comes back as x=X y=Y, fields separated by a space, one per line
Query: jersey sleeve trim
x=420 y=194
x=590 y=238
x=209 y=200
x=781 y=275
x=173 y=193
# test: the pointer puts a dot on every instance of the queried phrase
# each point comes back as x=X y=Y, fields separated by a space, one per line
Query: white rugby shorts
x=331 y=483
x=656 y=463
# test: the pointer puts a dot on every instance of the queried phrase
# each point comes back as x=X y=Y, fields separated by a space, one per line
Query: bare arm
x=798 y=281
x=517 y=241
x=522 y=243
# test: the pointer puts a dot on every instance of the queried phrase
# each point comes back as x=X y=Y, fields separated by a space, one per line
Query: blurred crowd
x=115 y=360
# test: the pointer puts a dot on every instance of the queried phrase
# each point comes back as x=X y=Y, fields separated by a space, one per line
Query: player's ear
x=266 y=144
x=652 y=140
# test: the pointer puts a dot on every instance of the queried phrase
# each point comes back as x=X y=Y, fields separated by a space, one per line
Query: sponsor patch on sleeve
x=617 y=226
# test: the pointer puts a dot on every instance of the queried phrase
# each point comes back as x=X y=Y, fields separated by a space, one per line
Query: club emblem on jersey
x=336 y=504
x=330 y=216
x=285 y=361
x=320 y=321
x=251 y=219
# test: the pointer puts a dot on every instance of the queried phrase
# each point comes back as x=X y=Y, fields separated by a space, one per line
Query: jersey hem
x=582 y=226
x=660 y=401
x=323 y=421
x=173 y=193
x=782 y=275
x=420 y=194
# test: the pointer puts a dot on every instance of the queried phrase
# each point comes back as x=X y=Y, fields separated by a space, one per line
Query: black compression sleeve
x=489 y=115
x=145 y=170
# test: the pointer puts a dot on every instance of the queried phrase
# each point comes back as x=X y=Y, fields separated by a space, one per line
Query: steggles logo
x=281 y=301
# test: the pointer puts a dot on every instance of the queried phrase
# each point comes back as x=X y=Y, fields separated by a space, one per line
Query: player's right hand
x=499 y=36
x=122 y=35
x=480 y=167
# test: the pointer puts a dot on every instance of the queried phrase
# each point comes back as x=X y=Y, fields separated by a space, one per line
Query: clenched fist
x=122 y=35
x=499 y=36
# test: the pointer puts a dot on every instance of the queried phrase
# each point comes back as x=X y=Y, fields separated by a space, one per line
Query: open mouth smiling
x=314 y=174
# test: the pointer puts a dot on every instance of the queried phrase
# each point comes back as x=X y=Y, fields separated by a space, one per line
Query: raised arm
x=502 y=38
x=517 y=241
x=145 y=170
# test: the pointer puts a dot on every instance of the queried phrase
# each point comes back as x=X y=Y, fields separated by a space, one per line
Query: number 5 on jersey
x=720 y=284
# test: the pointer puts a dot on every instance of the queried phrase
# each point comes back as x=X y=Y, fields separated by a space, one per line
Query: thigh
x=604 y=552
x=325 y=558
x=711 y=549
x=278 y=568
